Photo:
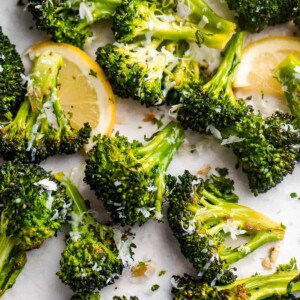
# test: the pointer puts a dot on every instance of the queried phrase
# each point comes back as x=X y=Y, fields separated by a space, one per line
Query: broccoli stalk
x=70 y=21
x=139 y=18
x=202 y=217
x=288 y=74
x=214 y=103
x=34 y=207
x=280 y=285
x=130 y=177
x=199 y=10
x=12 y=260
x=90 y=260
x=40 y=128
x=11 y=69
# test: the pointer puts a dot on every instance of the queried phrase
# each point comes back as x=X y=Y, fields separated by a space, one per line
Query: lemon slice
x=260 y=58
x=84 y=91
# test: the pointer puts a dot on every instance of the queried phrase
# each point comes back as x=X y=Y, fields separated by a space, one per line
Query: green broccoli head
x=11 y=69
x=129 y=177
x=70 y=21
x=153 y=73
x=135 y=71
x=95 y=254
x=202 y=214
x=214 y=103
x=278 y=286
x=41 y=128
x=296 y=13
x=95 y=296
x=184 y=288
x=35 y=204
x=187 y=75
x=255 y=15
x=125 y=298
x=90 y=260
x=266 y=149
x=138 y=18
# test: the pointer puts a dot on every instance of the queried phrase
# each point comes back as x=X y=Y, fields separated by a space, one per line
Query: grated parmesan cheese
x=183 y=10
x=124 y=247
x=232 y=139
x=47 y=184
x=85 y=12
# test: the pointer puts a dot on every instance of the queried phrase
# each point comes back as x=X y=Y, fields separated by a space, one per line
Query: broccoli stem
x=159 y=154
x=7 y=243
x=12 y=269
x=288 y=74
x=79 y=205
x=259 y=239
x=12 y=259
x=105 y=9
x=95 y=10
x=42 y=86
x=189 y=32
x=261 y=287
x=200 y=9
x=161 y=149
x=222 y=80
x=19 y=123
x=80 y=209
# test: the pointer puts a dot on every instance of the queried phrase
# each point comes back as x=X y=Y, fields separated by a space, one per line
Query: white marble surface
x=154 y=241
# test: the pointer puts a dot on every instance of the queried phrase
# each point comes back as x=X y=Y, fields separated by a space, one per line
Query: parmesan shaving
x=47 y=184
x=232 y=139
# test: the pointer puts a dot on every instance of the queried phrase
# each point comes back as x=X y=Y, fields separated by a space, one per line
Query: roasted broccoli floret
x=266 y=148
x=214 y=103
x=34 y=206
x=40 y=128
x=11 y=69
x=203 y=213
x=130 y=177
x=288 y=74
x=91 y=258
x=278 y=286
x=95 y=296
x=255 y=15
x=125 y=298
x=135 y=71
x=296 y=13
x=141 y=18
x=70 y=21
x=149 y=73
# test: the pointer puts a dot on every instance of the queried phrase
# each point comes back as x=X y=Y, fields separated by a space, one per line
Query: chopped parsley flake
x=155 y=287
x=93 y=73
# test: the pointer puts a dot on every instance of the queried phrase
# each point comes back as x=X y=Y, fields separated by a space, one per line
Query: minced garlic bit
x=204 y=171
x=269 y=262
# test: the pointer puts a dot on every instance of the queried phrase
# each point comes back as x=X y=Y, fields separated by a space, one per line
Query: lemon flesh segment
x=84 y=91
x=259 y=60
